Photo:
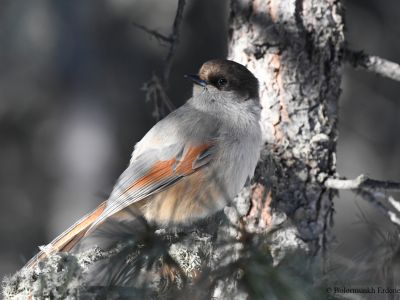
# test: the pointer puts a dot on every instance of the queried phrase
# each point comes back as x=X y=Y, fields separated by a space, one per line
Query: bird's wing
x=155 y=170
x=146 y=175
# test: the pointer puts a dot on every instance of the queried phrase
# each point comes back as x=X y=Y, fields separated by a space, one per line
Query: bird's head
x=225 y=79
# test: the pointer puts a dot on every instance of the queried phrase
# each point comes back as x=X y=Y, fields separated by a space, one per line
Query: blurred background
x=72 y=107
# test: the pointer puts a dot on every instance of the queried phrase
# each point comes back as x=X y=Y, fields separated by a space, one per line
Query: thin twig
x=153 y=33
x=374 y=64
x=155 y=92
x=175 y=40
x=156 y=88
x=362 y=182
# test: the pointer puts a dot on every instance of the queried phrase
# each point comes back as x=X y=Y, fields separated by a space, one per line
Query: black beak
x=196 y=79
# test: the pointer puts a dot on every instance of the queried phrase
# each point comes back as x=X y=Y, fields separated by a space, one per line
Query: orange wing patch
x=160 y=170
x=169 y=168
x=185 y=166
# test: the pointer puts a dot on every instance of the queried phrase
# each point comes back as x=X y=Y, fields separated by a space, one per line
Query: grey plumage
x=188 y=166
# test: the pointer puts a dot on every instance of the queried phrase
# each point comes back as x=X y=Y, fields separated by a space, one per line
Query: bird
x=190 y=164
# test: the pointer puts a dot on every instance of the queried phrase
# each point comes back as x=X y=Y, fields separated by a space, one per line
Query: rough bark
x=295 y=50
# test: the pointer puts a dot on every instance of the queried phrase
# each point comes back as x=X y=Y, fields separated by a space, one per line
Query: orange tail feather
x=69 y=238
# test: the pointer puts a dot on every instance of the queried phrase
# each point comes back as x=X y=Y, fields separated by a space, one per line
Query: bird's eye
x=221 y=82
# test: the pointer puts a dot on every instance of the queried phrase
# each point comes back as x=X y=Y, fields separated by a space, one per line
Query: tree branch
x=373 y=199
x=174 y=40
x=367 y=188
x=374 y=64
x=156 y=87
x=156 y=93
x=362 y=182
x=153 y=33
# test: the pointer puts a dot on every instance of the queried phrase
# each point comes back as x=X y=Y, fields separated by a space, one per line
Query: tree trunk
x=295 y=50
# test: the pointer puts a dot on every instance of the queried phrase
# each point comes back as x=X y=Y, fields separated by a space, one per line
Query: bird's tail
x=69 y=238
